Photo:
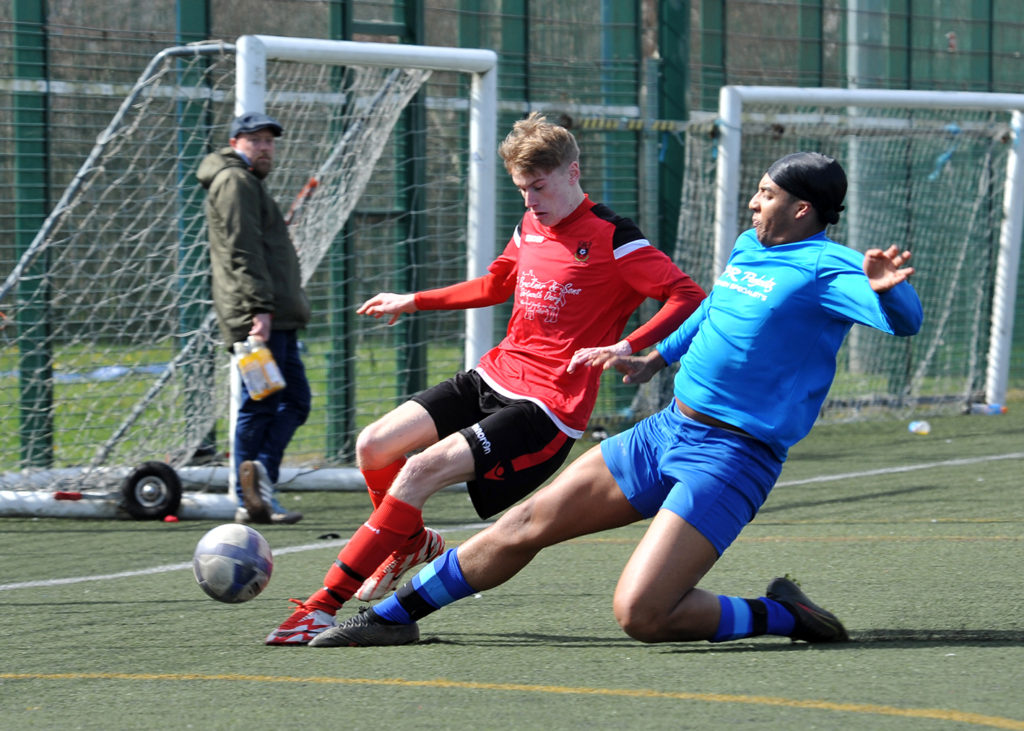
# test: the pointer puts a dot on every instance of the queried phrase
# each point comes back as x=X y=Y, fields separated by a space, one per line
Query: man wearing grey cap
x=257 y=293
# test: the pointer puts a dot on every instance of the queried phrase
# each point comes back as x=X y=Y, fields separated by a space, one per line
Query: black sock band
x=416 y=606
x=759 y=617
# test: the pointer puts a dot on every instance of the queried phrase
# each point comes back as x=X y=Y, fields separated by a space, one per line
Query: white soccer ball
x=233 y=563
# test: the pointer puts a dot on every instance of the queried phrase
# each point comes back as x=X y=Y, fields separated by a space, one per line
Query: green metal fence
x=624 y=76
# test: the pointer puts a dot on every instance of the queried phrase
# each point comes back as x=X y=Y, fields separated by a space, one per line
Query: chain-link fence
x=625 y=77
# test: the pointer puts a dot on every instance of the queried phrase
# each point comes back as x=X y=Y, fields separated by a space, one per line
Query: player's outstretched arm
x=889 y=277
x=885 y=269
x=634 y=368
x=587 y=356
x=388 y=303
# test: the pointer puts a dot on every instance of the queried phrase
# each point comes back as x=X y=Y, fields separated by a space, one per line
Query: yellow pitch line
x=762 y=522
x=936 y=714
x=877 y=539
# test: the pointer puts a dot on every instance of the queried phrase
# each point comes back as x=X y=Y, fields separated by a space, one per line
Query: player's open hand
x=635 y=369
x=388 y=303
x=885 y=269
x=589 y=356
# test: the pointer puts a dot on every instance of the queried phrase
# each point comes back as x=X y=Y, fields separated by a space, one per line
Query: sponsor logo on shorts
x=485 y=443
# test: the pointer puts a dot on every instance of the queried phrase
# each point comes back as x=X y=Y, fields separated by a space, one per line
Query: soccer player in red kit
x=577 y=271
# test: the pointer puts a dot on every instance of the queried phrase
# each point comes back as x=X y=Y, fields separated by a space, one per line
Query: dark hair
x=815 y=178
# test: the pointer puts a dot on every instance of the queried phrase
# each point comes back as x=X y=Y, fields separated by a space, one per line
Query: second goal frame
x=731 y=108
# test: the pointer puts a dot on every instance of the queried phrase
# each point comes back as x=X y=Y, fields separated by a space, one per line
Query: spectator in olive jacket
x=257 y=291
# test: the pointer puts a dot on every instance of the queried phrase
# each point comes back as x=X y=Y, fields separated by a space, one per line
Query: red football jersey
x=575 y=286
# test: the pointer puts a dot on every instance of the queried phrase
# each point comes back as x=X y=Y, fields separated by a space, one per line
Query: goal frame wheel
x=151 y=492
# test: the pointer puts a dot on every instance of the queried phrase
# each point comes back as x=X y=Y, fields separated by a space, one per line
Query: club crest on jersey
x=582 y=252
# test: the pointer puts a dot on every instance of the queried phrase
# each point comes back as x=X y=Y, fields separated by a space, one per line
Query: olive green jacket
x=254 y=265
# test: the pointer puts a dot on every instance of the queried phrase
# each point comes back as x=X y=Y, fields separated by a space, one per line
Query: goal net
x=930 y=172
x=112 y=356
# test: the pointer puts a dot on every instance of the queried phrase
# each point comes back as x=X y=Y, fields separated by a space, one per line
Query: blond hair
x=535 y=144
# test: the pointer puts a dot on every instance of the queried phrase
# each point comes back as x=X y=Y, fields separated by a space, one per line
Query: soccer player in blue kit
x=756 y=361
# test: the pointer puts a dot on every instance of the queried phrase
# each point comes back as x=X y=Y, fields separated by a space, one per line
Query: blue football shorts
x=714 y=479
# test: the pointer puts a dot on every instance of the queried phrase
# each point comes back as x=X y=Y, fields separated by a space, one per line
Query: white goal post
x=733 y=103
x=482 y=64
x=116 y=362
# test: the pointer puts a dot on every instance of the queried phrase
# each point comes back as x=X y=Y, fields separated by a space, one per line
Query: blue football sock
x=736 y=620
x=391 y=610
x=438 y=584
x=780 y=621
x=751 y=617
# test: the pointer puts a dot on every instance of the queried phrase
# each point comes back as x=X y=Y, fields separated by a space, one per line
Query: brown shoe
x=249 y=474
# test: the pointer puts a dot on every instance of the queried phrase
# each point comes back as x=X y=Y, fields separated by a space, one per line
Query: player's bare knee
x=639 y=631
x=637 y=621
x=420 y=467
x=422 y=476
x=371 y=449
x=365 y=444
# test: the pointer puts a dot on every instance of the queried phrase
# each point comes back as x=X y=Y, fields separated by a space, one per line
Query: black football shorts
x=516 y=446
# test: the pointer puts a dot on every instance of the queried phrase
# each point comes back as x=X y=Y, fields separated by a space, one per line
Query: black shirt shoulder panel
x=626 y=232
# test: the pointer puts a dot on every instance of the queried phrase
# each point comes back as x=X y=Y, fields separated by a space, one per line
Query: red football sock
x=378 y=482
x=387 y=528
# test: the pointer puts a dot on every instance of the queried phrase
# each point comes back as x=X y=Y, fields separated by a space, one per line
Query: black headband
x=812 y=177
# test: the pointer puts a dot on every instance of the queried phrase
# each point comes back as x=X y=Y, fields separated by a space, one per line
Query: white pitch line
x=907 y=468
x=476 y=526
x=188 y=565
